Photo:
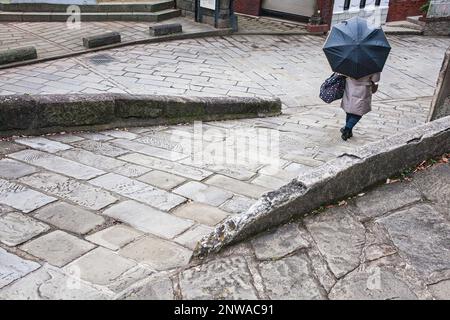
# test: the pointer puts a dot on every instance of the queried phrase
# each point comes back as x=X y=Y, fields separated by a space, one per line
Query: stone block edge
x=41 y=114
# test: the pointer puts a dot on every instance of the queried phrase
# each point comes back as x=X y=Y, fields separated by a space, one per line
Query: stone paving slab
x=68 y=189
x=57 y=247
x=115 y=237
x=69 y=217
x=50 y=283
x=147 y=219
x=22 y=198
x=13 y=267
x=16 y=228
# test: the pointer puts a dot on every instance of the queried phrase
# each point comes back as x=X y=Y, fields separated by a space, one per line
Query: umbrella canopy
x=356 y=49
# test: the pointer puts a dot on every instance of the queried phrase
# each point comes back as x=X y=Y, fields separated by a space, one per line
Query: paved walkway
x=391 y=243
x=53 y=39
x=71 y=204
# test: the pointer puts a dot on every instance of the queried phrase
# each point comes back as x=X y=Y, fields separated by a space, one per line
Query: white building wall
x=377 y=15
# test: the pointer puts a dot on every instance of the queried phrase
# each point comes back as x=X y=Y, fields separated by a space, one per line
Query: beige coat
x=358 y=94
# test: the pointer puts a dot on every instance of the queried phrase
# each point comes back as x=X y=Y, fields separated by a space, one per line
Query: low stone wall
x=338 y=179
x=440 y=106
x=27 y=115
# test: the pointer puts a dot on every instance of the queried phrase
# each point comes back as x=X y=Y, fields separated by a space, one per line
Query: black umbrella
x=356 y=49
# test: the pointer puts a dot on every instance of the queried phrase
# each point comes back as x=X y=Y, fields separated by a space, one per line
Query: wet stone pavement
x=389 y=243
x=71 y=203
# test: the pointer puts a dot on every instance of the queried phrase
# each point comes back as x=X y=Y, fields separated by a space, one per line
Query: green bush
x=425 y=7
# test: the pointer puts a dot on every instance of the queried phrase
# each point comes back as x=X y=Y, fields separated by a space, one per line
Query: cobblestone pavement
x=72 y=203
x=56 y=38
x=390 y=243
x=268 y=24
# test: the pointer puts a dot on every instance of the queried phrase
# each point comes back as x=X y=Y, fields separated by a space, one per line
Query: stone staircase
x=137 y=10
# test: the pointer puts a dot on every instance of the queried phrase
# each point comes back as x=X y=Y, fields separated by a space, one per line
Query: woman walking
x=357 y=53
x=357 y=100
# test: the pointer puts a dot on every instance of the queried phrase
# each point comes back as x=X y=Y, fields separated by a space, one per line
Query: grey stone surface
x=95 y=136
x=226 y=278
x=339 y=237
x=237 y=204
x=11 y=169
x=13 y=267
x=372 y=284
x=22 y=198
x=203 y=193
x=91 y=159
x=156 y=288
x=435 y=185
x=77 y=192
x=320 y=269
x=167 y=166
x=162 y=179
x=236 y=186
x=423 y=237
x=280 y=242
x=7 y=147
x=43 y=144
x=157 y=253
x=269 y=182
x=57 y=248
x=100 y=147
x=120 y=134
x=103 y=39
x=50 y=283
x=378 y=243
x=65 y=138
x=441 y=290
x=131 y=170
x=384 y=199
x=191 y=237
x=104 y=267
x=5 y=209
x=69 y=217
x=137 y=190
x=290 y=279
x=149 y=150
x=57 y=164
x=16 y=228
x=201 y=213
x=115 y=237
x=147 y=219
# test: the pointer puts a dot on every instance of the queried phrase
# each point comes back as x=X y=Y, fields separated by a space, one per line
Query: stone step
x=415 y=20
x=404 y=24
x=90 y=16
x=144 y=6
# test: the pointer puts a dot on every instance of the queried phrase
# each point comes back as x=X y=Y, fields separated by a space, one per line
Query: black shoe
x=351 y=132
x=346 y=134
